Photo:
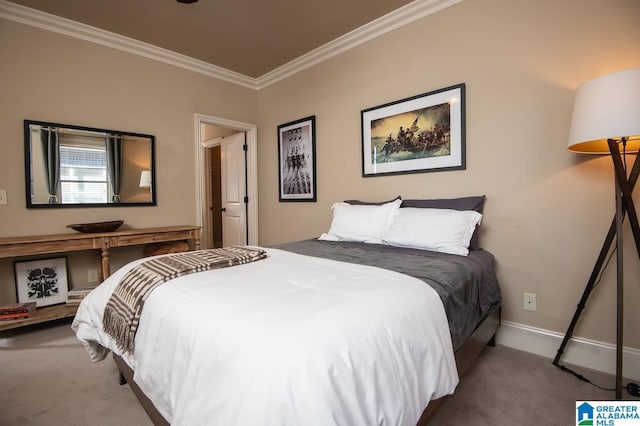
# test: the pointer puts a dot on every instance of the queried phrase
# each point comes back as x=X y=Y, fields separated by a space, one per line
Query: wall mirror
x=73 y=166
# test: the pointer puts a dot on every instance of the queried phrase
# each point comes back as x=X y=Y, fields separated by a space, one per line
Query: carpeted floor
x=48 y=379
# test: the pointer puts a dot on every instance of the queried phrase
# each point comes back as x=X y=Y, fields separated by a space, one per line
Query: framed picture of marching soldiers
x=297 y=160
x=423 y=133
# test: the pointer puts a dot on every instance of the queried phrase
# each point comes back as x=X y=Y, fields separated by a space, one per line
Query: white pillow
x=362 y=223
x=443 y=230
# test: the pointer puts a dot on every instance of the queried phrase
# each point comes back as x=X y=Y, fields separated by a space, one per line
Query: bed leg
x=492 y=341
x=121 y=378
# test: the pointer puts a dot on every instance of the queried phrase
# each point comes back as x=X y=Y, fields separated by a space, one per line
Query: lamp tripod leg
x=619 y=290
x=587 y=290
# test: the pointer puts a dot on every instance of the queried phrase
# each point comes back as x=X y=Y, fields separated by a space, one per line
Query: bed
x=318 y=332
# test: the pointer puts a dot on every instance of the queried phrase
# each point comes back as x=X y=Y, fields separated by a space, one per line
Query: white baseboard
x=583 y=352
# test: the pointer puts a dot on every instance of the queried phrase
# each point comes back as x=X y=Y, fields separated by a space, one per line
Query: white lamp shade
x=606 y=107
x=145 y=179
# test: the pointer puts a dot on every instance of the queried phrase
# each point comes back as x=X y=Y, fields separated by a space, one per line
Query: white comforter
x=288 y=340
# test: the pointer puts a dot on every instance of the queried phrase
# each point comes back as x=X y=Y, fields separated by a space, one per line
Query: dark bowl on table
x=96 y=227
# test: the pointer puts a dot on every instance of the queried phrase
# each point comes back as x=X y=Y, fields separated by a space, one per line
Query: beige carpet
x=48 y=379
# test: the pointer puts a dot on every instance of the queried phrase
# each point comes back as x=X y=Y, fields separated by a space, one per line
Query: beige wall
x=50 y=77
x=547 y=210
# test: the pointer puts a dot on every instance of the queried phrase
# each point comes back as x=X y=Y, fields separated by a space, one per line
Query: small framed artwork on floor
x=297 y=160
x=43 y=281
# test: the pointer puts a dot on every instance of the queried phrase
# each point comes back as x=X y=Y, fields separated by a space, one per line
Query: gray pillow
x=475 y=203
x=370 y=203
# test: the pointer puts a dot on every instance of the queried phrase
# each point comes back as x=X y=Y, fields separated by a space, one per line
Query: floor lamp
x=606 y=120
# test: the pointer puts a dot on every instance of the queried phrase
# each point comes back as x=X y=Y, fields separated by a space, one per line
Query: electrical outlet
x=529 y=303
x=3 y=197
x=92 y=276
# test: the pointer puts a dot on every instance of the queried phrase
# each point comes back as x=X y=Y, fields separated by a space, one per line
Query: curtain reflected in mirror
x=51 y=153
x=114 y=164
x=73 y=166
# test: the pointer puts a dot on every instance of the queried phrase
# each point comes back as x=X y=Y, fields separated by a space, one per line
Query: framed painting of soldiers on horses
x=423 y=133
x=297 y=160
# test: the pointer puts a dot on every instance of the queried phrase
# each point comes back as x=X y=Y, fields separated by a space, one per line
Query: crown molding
x=398 y=18
x=409 y=13
x=47 y=21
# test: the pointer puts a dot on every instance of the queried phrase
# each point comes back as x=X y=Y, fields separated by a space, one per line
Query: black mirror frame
x=28 y=177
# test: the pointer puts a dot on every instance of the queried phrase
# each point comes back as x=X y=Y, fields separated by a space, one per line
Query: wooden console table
x=104 y=241
x=44 y=244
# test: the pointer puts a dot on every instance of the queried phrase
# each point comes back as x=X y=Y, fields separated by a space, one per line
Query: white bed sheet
x=288 y=340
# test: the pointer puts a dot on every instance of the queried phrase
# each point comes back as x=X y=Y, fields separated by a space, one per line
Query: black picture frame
x=297 y=160
x=423 y=133
x=44 y=281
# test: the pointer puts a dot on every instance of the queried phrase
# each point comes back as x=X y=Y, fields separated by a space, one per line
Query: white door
x=234 y=212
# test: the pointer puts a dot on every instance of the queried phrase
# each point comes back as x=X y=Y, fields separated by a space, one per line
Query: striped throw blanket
x=123 y=310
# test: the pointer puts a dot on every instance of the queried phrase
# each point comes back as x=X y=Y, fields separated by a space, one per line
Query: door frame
x=251 y=131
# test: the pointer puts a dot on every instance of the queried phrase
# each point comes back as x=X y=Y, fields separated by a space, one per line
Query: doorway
x=226 y=187
x=226 y=149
